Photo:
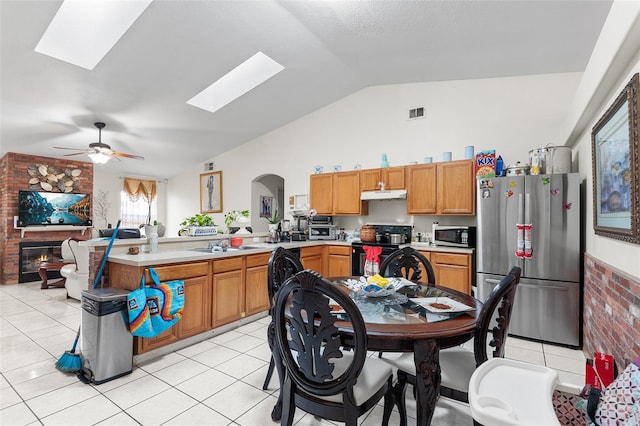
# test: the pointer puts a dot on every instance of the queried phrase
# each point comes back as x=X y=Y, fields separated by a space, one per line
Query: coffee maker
x=299 y=228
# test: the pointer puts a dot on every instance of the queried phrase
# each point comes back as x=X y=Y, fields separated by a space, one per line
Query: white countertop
x=171 y=254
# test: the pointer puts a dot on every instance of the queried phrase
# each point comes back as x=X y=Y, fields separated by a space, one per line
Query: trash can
x=106 y=345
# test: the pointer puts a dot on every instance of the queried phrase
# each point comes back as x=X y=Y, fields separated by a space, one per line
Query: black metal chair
x=321 y=378
x=405 y=263
x=457 y=364
x=282 y=265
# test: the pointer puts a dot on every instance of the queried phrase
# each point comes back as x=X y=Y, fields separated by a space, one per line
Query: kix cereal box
x=486 y=164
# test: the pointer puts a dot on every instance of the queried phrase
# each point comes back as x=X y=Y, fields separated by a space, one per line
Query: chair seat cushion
x=68 y=270
x=373 y=376
x=457 y=364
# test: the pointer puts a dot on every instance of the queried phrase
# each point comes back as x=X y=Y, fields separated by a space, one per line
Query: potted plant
x=274 y=220
x=198 y=220
x=235 y=216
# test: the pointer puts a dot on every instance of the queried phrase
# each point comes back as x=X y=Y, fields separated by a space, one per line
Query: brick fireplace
x=14 y=177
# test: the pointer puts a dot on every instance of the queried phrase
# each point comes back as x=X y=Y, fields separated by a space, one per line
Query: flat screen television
x=53 y=208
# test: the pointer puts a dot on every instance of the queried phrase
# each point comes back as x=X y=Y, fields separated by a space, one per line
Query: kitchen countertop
x=188 y=254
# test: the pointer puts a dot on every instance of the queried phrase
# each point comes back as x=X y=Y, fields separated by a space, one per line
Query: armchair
x=76 y=274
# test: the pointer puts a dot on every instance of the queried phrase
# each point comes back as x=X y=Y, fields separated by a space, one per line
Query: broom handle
x=75 y=342
x=106 y=254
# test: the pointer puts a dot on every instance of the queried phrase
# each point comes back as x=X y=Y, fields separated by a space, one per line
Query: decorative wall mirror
x=614 y=150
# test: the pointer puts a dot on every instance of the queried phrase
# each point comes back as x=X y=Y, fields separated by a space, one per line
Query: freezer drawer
x=544 y=310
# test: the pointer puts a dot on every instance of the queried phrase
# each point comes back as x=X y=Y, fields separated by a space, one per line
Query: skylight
x=82 y=32
x=249 y=74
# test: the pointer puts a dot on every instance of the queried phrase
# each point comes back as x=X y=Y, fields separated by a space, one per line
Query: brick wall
x=14 y=177
x=611 y=312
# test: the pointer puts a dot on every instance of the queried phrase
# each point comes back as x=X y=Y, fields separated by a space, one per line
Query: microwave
x=455 y=236
x=322 y=232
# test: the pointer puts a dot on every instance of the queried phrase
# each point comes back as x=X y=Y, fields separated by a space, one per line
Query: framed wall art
x=265 y=206
x=211 y=192
x=614 y=151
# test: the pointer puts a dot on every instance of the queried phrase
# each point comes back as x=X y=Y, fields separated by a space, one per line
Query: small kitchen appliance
x=322 y=228
x=454 y=236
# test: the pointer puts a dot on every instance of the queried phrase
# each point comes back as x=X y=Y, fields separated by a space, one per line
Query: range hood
x=394 y=194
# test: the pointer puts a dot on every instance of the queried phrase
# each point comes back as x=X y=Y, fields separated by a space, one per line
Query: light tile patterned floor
x=215 y=382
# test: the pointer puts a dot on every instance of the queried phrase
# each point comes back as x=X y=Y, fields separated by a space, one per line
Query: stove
x=383 y=237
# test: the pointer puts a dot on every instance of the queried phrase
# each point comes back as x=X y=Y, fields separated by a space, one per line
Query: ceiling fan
x=100 y=152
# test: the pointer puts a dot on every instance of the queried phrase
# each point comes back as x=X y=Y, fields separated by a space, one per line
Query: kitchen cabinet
x=393 y=178
x=321 y=193
x=452 y=270
x=196 y=316
x=456 y=188
x=339 y=261
x=446 y=188
x=421 y=189
x=337 y=194
x=311 y=258
x=228 y=290
x=256 y=292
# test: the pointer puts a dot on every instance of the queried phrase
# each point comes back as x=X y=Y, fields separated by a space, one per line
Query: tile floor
x=215 y=382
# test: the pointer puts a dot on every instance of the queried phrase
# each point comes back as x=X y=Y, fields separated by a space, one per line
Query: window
x=138 y=203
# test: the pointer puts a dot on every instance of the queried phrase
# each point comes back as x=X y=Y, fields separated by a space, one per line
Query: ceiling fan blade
x=74 y=149
x=122 y=154
x=75 y=153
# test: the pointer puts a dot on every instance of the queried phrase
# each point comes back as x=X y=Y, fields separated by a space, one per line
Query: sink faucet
x=221 y=244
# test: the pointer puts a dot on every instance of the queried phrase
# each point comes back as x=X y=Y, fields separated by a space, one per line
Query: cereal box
x=486 y=164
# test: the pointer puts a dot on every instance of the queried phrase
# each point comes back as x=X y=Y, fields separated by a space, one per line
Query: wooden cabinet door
x=228 y=297
x=421 y=189
x=456 y=188
x=423 y=272
x=393 y=177
x=257 y=294
x=346 y=193
x=321 y=193
x=369 y=179
x=452 y=270
x=169 y=336
x=311 y=258
x=339 y=261
x=196 y=317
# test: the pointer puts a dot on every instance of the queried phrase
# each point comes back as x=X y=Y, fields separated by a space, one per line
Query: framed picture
x=265 y=206
x=211 y=192
x=614 y=145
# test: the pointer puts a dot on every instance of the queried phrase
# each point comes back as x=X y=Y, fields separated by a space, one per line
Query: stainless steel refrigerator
x=533 y=222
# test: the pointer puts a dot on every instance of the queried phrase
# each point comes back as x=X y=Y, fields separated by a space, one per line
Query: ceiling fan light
x=99 y=157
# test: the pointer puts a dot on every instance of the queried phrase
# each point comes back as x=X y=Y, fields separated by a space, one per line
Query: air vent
x=415 y=113
x=208 y=166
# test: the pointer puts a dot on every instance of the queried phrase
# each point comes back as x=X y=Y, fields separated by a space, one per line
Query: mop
x=70 y=361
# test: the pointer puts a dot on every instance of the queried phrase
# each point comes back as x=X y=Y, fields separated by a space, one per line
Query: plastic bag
x=372 y=260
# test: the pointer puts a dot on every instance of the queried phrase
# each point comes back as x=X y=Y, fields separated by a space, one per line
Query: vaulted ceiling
x=329 y=49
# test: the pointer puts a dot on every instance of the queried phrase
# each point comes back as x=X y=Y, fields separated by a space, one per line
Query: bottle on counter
x=153 y=242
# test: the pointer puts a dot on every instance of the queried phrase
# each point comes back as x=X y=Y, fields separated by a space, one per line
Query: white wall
x=614 y=60
x=512 y=115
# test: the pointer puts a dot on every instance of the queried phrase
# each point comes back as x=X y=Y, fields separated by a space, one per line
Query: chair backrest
x=66 y=252
x=405 y=263
x=308 y=347
x=501 y=298
x=282 y=265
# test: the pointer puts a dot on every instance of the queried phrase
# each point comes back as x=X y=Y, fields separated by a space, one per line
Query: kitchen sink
x=228 y=249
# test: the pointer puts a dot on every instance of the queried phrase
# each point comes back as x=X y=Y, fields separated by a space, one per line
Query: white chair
x=76 y=274
x=505 y=392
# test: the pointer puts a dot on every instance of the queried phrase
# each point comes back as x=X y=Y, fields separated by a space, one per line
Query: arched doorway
x=266 y=189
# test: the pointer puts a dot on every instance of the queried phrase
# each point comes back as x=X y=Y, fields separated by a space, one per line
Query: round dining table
x=402 y=324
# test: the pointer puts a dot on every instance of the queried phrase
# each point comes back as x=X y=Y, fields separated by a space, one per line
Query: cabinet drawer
x=224 y=265
x=450 y=259
x=258 y=259
x=311 y=251
x=340 y=250
x=173 y=272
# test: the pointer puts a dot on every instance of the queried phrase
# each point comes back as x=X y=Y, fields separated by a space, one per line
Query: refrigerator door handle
x=544 y=287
